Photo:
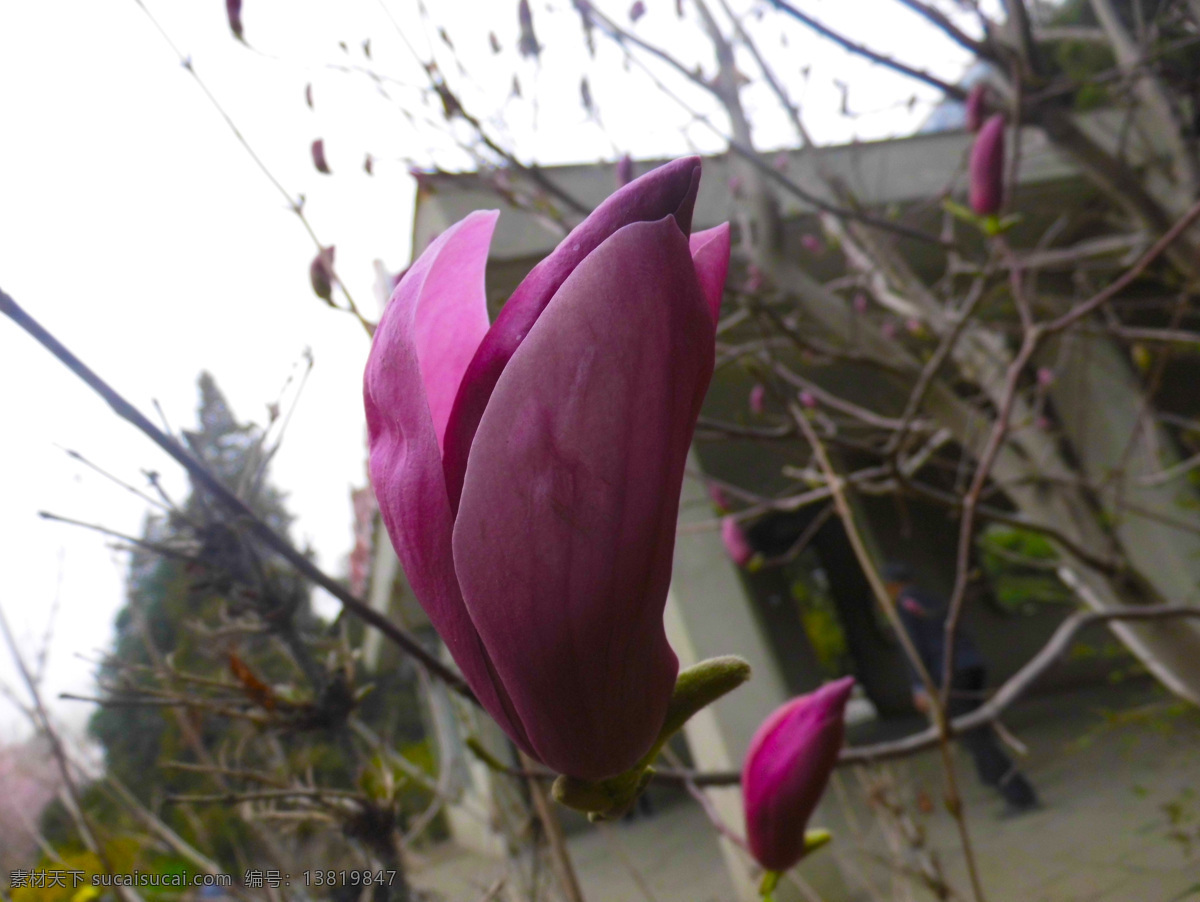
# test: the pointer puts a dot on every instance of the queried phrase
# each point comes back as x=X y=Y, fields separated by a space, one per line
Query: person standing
x=923 y=616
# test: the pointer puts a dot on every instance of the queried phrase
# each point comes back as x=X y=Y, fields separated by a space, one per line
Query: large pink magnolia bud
x=529 y=472
x=786 y=770
x=987 y=167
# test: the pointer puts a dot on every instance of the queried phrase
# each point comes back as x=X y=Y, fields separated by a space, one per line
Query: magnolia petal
x=452 y=318
x=710 y=254
x=669 y=190
x=564 y=540
x=405 y=466
x=786 y=770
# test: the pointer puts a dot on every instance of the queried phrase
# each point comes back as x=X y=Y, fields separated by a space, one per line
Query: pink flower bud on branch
x=786 y=770
x=987 y=168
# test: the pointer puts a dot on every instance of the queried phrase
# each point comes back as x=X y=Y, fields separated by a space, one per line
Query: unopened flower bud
x=318 y=156
x=758 y=398
x=975 y=106
x=987 y=168
x=786 y=770
x=320 y=273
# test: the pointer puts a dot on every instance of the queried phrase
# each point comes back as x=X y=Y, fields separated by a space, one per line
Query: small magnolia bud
x=758 y=397
x=320 y=273
x=637 y=11
x=808 y=399
x=718 y=497
x=1045 y=376
x=987 y=167
x=308 y=95
x=754 y=278
x=318 y=156
x=786 y=770
x=528 y=44
x=737 y=546
x=975 y=107
x=812 y=243
x=233 y=10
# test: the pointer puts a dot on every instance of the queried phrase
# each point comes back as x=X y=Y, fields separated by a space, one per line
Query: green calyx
x=766 y=888
x=814 y=839
x=695 y=688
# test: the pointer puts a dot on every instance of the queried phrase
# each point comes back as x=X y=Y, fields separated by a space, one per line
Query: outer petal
x=786 y=770
x=411 y=351
x=710 y=254
x=669 y=190
x=564 y=538
x=451 y=317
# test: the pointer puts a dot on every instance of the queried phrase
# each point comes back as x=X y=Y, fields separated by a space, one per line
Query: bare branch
x=245 y=516
x=952 y=91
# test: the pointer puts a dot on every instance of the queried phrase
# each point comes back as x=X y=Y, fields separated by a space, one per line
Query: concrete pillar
x=707 y=615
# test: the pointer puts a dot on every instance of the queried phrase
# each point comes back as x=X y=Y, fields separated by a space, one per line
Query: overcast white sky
x=135 y=228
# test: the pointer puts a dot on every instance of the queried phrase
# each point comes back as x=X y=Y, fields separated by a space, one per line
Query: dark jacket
x=924 y=619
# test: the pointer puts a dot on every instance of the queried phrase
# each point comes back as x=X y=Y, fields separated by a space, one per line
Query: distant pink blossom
x=754 y=279
x=737 y=546
x=233 y=12
x=321 y=274
x=718 y=497
x=976 y=98
x=318 y=156
x=527 y=43
x=758 y=397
